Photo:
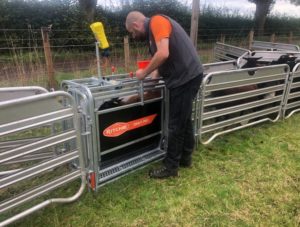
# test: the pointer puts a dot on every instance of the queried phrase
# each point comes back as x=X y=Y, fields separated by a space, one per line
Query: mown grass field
x=247 y=178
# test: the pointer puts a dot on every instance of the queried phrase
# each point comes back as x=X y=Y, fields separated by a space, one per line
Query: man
x=175 y=59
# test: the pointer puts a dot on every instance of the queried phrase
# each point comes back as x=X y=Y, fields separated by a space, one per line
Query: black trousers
x=181 y=139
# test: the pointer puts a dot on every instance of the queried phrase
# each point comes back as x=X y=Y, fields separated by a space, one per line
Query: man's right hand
x=140 y=74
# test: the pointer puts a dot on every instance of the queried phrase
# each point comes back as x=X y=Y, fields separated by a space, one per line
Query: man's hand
x=140 y=74
x=158 y=59
x=154 y=74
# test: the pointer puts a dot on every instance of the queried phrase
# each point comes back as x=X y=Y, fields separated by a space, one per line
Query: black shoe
x=185 y=164
x=163 y=172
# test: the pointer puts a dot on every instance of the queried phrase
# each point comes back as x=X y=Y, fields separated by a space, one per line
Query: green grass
x=247 y=178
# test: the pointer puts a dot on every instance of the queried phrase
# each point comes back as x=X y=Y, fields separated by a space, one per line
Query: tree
x=295 y=2
x=263 y=8
x=88 y=7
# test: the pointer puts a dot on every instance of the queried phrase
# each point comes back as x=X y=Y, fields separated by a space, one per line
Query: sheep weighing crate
x=123 y=123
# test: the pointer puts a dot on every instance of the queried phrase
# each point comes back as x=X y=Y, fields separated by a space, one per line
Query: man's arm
x=158 y=58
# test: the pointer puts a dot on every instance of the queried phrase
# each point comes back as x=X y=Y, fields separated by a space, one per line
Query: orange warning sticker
x=120 y=128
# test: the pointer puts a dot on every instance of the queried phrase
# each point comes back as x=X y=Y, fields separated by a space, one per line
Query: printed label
x=120 y=128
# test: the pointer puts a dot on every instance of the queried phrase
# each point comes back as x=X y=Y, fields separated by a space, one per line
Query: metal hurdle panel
x=260 y=45
x=209 y=68
x=119 y=137
x=219 y=66
x=225 y=52
x=240 y=98
x=292 y=100
x=10 y=93
x=25 y=183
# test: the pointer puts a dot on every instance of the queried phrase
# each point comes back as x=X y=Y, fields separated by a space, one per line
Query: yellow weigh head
x=98 y=30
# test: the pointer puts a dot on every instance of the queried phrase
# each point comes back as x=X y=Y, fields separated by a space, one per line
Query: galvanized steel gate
x=48 y=133
x=292 y=100
x=239 y=98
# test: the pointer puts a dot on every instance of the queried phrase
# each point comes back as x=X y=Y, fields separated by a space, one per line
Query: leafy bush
x=21 y=21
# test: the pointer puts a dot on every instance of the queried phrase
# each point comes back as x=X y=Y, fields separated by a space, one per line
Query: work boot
x=163 y=172
x=185 y=163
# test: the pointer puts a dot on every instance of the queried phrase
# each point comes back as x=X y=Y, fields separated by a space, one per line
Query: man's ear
x=135 y=25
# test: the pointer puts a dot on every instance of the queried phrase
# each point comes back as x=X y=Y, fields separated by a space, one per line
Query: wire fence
x=23 y=61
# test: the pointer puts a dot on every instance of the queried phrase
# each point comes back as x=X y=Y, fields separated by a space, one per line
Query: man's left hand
x=140 y=74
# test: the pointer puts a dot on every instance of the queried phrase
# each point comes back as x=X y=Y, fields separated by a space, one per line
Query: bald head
x=135 y=25
x=134 y=17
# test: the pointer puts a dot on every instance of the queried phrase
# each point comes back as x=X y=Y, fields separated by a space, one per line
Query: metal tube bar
x=38 y=145
x=35 y=170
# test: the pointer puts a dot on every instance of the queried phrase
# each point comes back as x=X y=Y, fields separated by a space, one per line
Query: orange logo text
x=120 y=128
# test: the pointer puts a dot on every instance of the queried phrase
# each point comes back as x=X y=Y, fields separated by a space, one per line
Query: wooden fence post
x=272 y=39
x=251 y=36
x=222 y=39
x=126 y=53
x=290 y=40
x=48 y=56
x=194 y=22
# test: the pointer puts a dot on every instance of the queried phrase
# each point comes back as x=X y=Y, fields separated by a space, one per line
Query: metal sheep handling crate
x=123 y=124
x=99 y=129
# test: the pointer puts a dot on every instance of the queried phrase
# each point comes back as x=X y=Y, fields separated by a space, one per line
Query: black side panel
x=127 y=116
